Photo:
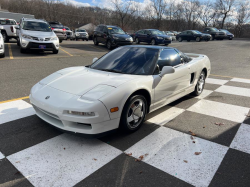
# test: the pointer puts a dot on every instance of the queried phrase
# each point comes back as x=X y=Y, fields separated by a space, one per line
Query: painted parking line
x=237 y=78
x=66 y=52
x=10 y=52
x=16 y=99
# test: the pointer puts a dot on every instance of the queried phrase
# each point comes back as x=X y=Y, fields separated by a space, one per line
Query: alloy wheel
x=201 y=82
x=136 y=113
x=153 y=42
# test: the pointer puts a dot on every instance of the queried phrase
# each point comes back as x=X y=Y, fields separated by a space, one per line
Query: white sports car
x=119 y=89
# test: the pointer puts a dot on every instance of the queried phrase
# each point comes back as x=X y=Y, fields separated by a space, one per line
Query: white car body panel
x=87 y=90
x=2 y=50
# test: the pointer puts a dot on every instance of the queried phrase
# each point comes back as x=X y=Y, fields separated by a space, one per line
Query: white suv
x=36 y=34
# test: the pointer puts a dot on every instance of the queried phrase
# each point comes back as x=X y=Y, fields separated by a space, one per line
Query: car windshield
x=115 y=30
x=157 y=32
x=129 y=60
x=197 y=32
x=81 y=30
x=36 y=26
x=214 y=29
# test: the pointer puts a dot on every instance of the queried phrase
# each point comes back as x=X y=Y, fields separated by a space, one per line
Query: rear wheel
x=133 y=113
x=180 y=39
x=18 y=42
x=198 y=39
x=95 y=41
x=109 y=45
x=60 y=41
x=137 y=41
x=5 y=36
x=2 y=55
x=153 y=42
x=200 y=84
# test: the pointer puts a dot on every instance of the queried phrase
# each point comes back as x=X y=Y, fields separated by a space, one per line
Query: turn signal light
x=114 y=109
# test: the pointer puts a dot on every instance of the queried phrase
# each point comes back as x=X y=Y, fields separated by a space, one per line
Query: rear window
x=8 y=22
x=58 y=26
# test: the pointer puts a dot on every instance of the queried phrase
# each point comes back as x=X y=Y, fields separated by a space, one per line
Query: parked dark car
x=111 y=36
x=152 y=36
x=215 y=33
x=193 y=35
x=230 y=36
x=59 y=29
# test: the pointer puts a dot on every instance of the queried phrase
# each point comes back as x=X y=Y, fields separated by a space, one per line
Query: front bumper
x=54 y=111
x=163 y=41
x=37 y=46
x=121 y=42
x=61 y=36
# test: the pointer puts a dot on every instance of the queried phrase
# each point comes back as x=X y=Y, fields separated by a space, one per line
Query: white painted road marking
x=216 y=81
x=1 y=156
x=166 y=116
x=220 y=110
x=63 y=161
x=234 y=90
x=240 y=80
x=15 y=110
x=241 y=140
x=167 y=149
x=204 y=94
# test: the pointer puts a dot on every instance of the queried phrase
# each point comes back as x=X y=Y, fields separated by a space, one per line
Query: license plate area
x=42 y=46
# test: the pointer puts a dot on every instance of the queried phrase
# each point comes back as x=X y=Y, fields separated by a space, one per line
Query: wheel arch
x=205 y=70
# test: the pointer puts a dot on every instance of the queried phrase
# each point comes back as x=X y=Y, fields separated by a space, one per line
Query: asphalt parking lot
x=195 y=141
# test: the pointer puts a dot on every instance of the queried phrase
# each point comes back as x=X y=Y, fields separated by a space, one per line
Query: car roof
x=37 y=20
x=147 y=46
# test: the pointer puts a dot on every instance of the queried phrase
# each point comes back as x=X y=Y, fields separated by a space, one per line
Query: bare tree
x=206 y=12
x=224 y=8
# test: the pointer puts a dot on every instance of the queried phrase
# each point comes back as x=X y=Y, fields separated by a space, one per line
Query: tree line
x=133 y=15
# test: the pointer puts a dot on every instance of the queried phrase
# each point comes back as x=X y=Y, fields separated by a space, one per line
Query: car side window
x=141 y=32
x=147 y=32
x=183 y=56
x=189 y=32
x=105 y=30
x=184 y=32
x=168 y=57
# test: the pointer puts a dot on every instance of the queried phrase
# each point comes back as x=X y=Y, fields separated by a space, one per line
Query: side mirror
x=167 y=70
x=94 y=59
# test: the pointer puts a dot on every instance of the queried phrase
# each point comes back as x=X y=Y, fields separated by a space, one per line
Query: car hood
x=38 y=33
x=79 y=80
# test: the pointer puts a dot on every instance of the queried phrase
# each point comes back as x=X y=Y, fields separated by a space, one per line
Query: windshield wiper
x=110 y=70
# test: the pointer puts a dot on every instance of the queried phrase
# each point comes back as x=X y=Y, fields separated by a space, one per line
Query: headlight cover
x=53 y=38
x=160 y=38
x=27 y=36
x=97 y=92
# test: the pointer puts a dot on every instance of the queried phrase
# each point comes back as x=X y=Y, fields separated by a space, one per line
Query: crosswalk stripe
x=1 y=156
x=63 y=161
x=234 y=90
x=241 y=141
x=14 y=110
x=168 y=149
x=204 y=94
x=220 y=110
x=166 y=116
x=216 y=81
x=241 y=80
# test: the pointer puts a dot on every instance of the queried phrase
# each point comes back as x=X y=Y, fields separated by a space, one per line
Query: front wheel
x=180 y=39
x=133 y=113
x=5 y=37
x=200 y=84
x=153 y=42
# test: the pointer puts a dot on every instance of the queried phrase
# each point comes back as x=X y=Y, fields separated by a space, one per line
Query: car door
x=98 y=34
x=190 y=35
x=147 y=36
x=183 y=35
x=142 y=36
x=170 y=84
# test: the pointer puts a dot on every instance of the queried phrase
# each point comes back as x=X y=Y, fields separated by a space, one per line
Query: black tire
x=137 y=41
x=87 y=40
x=109 y=45
x=95 y=41
x=60 y=41
x=198 y=88
x=153 y=42
x=22 y=50
x=2 y=55
x=5 y=37
x=18 y=42
x=198 y=39
x=188 y=40
x=124 y=124
x=55 y=51
x=180 y=39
